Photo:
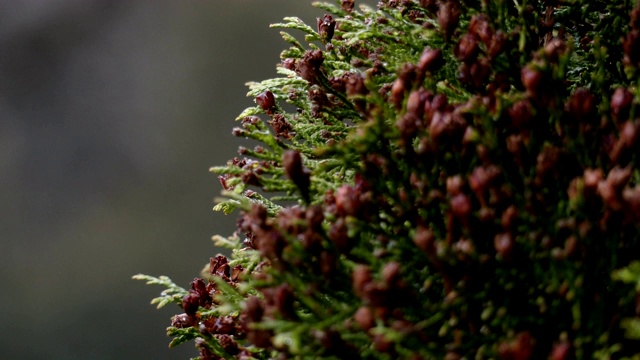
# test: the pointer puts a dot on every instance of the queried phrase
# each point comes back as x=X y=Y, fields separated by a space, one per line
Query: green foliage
x=629 y=274
x=434 y=179
x=172 y=294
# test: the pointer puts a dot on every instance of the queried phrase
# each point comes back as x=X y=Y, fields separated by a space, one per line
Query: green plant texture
x=450 y=179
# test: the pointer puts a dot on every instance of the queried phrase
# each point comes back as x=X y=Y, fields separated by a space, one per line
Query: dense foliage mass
x=434 y=180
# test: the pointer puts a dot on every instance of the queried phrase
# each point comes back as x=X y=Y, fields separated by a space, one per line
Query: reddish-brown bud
x=199 y=287
x=581 y=106
x=311 y=241
x=281 y=127
x=361 y=277
x=629 y=134
x=547 y=161
x=480 y=27
x=439 y=102
x=347 y=5
x=532 y=80
x=497 y=44
x=221 y=325
x=521 y=348
x=516 y=146
x=228 y=343
x=503 y=244
x=562 y=351
x=391 y=273
x=260 y=338
x=223 y=182
x=251 y=178
x=481 y=177
x=338 y=83
x=347 y=200
x=520 y=114
x=448 y=17
x=571 y=246
x=467 y=48
x=203 y=350
x=464 y=74
x=314 y=217
x=479 y=73
x=182 y=321
x=431 y=5
x=334 y=344
x=339 y=235
x=609 y=195
x=270 y=244
x=318 y=97
x=619 y=177
x=355 y=88
x=454 y=185
x=382 y=344
x=631 y=47
x=309 y=67
x=452 y=355
x=554 y=49
x=236 y=272
x=289 y=64
x=416 y=102
x=509 y=217
x=354 y=85
x=326 y=27
x=486 y=214
x=284 y=299
x=464 y=247
x=430 y=61
x=190 y=303
x=250 y=120
x=219 y=266
x=296 y=172
x=592 y=178
x=621 y=101
x=397 y=93
x=631 y=198
x=267 y=101
x=254 y=309
x=440 y=125
x=328 y=261
x=364 y=318
x=424 y=239
x=379 y=295
x=461 y=206
x=635 y=18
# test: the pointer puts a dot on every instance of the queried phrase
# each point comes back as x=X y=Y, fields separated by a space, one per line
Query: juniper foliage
x=448 y=179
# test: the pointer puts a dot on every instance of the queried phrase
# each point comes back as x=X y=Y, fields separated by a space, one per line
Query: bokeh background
x=111 y=113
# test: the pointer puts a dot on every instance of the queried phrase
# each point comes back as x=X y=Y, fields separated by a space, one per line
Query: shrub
x=435 y=180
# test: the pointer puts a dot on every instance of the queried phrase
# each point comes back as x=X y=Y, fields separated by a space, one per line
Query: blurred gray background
x=111 y=113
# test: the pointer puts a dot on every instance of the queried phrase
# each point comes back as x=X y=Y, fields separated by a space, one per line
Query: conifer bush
x=434 y=179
